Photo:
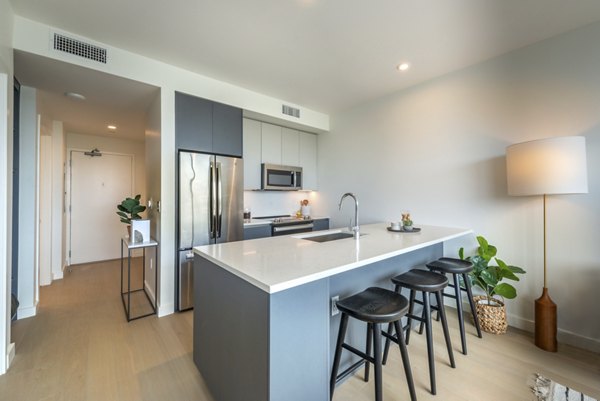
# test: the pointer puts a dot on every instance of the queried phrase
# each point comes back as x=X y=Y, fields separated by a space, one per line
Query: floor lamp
x=547 y=167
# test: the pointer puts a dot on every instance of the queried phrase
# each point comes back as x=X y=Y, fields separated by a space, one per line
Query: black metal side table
x=126 y=242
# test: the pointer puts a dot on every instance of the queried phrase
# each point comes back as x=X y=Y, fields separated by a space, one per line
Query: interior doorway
x=96 y=185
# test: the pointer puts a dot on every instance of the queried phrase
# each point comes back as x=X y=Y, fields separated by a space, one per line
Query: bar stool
x=427 y=283
x=373 y=306
x=462 y=268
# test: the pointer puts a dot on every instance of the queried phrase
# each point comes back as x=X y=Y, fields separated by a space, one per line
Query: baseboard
x=58 y=276
x=149 y=291
x=24 y=313
x=10 y=354
x=166 y=309
x=563 y=336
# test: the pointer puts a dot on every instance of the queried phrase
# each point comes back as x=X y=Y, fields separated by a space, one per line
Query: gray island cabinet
x=263 y=327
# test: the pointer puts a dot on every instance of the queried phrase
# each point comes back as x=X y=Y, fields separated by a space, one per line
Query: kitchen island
x=263 y=327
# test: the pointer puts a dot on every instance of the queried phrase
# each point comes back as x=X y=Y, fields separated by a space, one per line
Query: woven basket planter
x=492 y=318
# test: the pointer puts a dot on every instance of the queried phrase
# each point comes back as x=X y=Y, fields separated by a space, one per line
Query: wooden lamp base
x=545 y=322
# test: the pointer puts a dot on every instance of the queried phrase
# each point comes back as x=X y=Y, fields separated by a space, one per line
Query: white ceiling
x=324 y=54
x=109 y=99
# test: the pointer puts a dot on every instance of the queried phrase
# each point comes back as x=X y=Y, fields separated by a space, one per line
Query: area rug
x=548 y=390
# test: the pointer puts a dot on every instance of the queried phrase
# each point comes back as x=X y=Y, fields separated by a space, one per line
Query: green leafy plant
x=130 y=209
x=488 y=277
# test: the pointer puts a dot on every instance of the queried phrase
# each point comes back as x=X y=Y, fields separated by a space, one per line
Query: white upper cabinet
x=290 y=147
x=252 y=153
x=271 y=143
x=308 y=160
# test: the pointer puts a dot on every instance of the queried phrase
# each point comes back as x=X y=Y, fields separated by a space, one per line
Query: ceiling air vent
x=290 y=111
x=78 y=48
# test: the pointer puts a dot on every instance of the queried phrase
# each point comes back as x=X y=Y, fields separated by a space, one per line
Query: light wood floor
x=80 y=347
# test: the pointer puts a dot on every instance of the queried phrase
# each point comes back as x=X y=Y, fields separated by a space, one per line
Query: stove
x=286 y=224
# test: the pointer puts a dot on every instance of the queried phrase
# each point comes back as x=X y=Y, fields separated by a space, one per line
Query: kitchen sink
x=329 y=237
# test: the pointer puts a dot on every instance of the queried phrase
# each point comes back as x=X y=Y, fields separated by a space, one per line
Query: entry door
x=98 y=184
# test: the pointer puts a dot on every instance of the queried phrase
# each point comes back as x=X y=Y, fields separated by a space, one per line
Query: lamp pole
x=545 y=310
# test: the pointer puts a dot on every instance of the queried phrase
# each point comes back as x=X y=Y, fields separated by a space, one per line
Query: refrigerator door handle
x=219 y=201
x=213 y=201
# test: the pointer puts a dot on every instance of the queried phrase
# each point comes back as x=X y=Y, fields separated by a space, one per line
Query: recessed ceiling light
x=74 y=95
x=403 y=66
x=111 y=127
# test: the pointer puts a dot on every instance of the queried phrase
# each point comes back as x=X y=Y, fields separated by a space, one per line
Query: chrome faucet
x=356 y=228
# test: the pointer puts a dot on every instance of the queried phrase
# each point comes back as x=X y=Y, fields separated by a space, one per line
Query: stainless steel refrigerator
x=210 y=210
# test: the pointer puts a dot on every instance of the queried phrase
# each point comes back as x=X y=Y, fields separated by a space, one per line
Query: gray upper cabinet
x=205 y=126
x=227 y=130
x=193 y=123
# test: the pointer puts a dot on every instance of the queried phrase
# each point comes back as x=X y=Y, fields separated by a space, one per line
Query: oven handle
x=292 y=227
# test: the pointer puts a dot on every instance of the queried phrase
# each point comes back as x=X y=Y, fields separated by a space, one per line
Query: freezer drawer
x=186 y=280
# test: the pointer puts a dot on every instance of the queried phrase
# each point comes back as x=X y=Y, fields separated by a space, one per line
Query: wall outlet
x=334 y=309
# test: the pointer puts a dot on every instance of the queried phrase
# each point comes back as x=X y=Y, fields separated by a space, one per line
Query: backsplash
x=272 y=203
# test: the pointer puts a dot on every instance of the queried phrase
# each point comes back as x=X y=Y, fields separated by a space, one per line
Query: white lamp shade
x=547 y=166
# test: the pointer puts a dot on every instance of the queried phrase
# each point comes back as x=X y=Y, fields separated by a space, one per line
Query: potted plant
x=407 y=223
x=130 y=209
x=491 y=309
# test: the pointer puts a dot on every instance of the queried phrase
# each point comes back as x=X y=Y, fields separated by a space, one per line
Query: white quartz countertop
x=278 y=263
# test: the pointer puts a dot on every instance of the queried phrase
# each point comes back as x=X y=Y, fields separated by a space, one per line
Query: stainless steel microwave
x=281 y=178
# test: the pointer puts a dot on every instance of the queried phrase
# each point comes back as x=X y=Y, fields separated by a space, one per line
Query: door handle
x=219 y=201
x=213 y=201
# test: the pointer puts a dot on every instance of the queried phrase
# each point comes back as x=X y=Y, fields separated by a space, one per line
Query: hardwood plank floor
x=80 y=347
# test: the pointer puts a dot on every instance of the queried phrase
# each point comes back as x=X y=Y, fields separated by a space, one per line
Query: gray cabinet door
x=193 y=123
x=227 y=130
x=321 y=224
x=253 y=232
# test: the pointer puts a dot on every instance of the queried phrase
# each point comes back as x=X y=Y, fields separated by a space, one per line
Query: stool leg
x=459 y=311
x=472 y=303
x=411 y=309
x=425 y=294
x=442 y=313
x=338 y=353
x=405 y=361
x=369 y=341
x=430 y=354
x=377 y=355
x=386 y=348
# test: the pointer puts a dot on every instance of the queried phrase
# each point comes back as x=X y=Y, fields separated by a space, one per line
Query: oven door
x=291 y=229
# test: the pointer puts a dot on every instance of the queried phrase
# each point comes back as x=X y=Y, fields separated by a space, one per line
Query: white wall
x=438 y=150
x=153 y=187
x=45 y=239
x=58 y=200
x=28 y=216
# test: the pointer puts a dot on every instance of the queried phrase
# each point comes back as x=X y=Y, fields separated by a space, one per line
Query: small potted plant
x=407 y=223
x=491 y=309
x=130 y=209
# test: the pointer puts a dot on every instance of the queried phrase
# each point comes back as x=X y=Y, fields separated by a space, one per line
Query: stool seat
x=451 y=265
x=376 y=305
x=421 y=280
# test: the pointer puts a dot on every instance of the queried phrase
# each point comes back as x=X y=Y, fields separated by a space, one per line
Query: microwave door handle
x=293 y=179
x=219 y=214
x=213 y=200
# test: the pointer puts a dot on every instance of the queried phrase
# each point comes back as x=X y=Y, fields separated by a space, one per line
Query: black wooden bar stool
x=373 y=306
x=427 y=283
x=458 y=268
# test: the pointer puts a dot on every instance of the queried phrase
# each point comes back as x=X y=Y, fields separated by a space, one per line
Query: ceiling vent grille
x=290 y=111
x=78 y=48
